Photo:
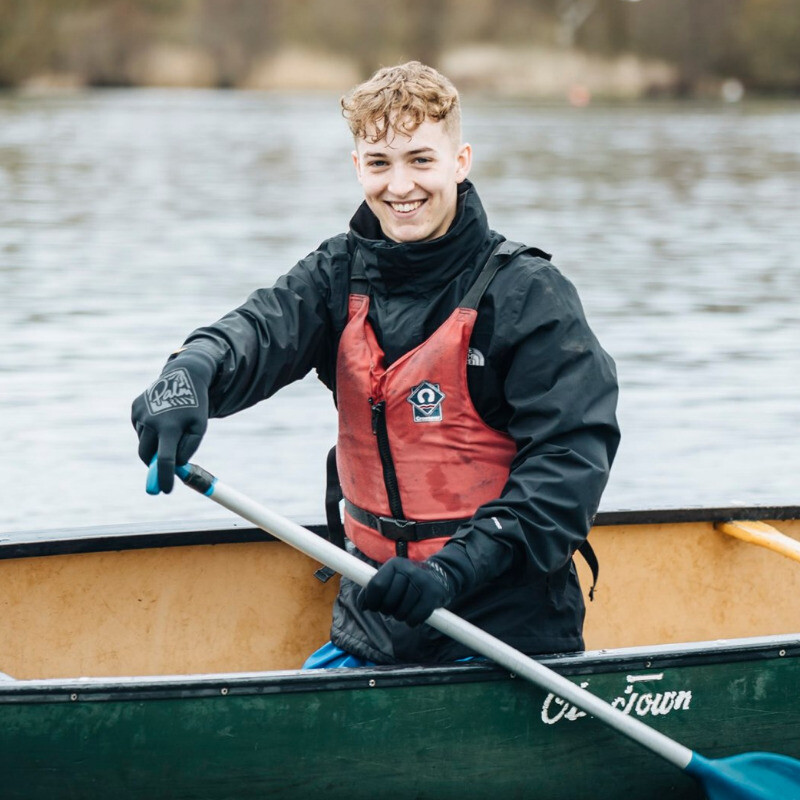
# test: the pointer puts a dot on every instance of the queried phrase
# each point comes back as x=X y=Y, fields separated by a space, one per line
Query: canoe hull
x=210 y=605
x=440 y=733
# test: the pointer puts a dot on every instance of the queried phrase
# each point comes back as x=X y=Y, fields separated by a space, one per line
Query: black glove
x=410 y=591
x=171 y=417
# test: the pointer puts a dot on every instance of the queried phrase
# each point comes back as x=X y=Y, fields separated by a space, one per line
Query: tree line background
x=100 y=42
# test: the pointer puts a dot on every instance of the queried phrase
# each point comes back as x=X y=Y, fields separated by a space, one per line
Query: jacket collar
x=421 y=266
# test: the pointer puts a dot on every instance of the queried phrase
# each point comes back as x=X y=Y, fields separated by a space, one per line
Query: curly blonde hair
x=397 y=100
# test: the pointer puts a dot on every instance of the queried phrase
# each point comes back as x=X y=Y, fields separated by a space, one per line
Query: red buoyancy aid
x=413 y=455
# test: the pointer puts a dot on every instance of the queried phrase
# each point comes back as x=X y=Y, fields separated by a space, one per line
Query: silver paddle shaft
x=448 y=623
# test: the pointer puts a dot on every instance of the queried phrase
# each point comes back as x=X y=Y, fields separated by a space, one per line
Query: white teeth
x=405 y=207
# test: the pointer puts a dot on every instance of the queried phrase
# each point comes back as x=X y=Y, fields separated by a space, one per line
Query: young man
x=476 y=408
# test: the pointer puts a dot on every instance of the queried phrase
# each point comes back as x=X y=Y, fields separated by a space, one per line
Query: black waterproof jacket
x=543 y=378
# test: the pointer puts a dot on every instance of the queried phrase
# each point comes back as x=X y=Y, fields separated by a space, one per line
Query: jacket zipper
x=389 y=472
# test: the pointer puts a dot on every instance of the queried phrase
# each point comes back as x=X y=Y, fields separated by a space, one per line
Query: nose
x=401 y=182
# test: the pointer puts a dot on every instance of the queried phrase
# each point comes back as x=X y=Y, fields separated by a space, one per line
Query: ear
x=463 y=162
x=356 y=164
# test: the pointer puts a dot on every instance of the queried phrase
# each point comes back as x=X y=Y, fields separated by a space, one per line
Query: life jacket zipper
x=387 y=463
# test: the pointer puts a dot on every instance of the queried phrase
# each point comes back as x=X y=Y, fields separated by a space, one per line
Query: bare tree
x=424 y=29
x=571 y=15
x=236 y=31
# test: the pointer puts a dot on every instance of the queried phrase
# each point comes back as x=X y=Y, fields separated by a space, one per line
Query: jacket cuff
x=200 y=365
x=458 y=567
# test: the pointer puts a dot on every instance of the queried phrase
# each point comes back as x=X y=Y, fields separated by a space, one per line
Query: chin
x=410 y=238
x=409 y=234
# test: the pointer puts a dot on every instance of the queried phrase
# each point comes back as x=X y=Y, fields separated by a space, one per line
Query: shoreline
x=534 y=73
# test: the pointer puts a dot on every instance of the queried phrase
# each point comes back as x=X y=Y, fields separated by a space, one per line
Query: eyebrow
x=416 y=152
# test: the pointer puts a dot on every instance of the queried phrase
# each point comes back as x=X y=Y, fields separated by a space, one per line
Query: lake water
x=128 y=218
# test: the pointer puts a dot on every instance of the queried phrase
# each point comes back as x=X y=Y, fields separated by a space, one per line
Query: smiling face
x=410 y=181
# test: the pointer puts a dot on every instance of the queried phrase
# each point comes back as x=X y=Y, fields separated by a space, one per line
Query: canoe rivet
x=223 y=690
x=372 y=682
x=512 y=674
x=73 y=697
x=648 y=663
x=781 y=653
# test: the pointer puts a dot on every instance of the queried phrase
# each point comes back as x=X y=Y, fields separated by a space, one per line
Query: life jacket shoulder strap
x=504 y=252
x=358 y=274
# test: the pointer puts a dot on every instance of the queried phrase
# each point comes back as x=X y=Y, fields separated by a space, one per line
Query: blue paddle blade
x=749 y=776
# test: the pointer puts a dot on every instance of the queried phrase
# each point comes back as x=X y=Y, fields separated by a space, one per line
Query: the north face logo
x=426 y=399
x=174 y=390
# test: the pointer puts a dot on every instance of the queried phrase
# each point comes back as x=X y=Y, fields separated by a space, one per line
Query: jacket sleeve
x=561 y=389
x=276 y=336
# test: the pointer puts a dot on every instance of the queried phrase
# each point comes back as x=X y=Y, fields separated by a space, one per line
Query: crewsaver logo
x=426 y=400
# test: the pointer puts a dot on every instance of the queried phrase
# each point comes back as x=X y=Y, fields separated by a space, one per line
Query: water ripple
x=129 y=218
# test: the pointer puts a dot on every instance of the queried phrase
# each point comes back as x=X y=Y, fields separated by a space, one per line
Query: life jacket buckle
x=395 y=529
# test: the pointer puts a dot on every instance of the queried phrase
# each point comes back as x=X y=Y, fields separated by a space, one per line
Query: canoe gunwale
x=135 y=536
x=162 y=687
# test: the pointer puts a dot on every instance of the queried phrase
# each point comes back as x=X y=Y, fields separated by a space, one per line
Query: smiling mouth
x=407 y=207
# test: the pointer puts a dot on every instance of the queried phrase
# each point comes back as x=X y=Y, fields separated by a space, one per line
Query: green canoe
x=162 y=664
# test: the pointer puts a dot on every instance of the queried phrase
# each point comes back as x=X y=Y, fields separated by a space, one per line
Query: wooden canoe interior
x=256 y=606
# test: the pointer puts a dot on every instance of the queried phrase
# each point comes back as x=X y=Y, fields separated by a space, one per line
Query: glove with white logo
x=171 y=416
x=410 y=591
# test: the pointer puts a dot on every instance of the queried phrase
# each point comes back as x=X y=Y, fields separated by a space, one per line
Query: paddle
x=749 y=776
x=755 y=532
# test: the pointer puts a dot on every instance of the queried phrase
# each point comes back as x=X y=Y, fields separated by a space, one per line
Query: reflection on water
x=129 y=218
